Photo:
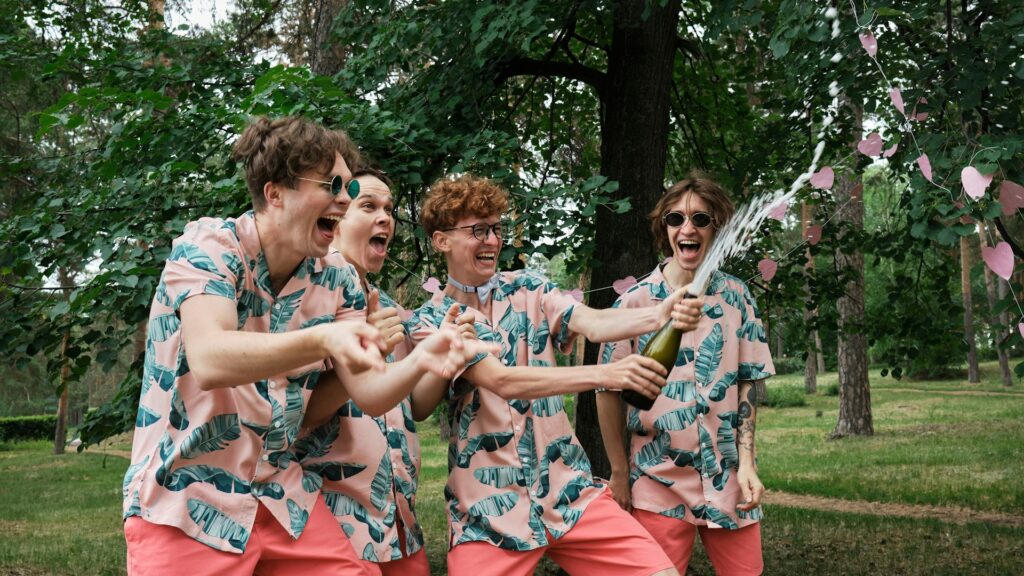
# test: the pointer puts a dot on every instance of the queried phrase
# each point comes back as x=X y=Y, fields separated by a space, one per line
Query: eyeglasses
x=480 y=230
x=337 y=184
x=698 y=219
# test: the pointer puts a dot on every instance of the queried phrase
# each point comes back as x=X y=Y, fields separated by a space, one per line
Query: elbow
x=507 y=388
x=209 y=377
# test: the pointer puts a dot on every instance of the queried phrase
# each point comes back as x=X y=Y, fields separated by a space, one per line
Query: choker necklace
x=483 y=291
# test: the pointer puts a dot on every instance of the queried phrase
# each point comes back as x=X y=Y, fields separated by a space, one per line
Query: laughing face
x=368 y=227
x=470 y=260
x=690 y=244
x=312 y=212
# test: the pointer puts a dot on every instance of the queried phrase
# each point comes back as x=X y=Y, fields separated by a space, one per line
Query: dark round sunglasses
x=337 y=184
x=480 y=230
x=698 y=219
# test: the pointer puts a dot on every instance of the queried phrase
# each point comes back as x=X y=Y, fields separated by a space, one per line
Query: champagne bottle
x=663 y=347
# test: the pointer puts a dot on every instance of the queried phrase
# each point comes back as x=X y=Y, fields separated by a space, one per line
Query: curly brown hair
x=449 y=200
x=279 y=150
x=699 y=183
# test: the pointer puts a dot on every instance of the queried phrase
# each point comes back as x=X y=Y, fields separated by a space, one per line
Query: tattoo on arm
x=747 y=413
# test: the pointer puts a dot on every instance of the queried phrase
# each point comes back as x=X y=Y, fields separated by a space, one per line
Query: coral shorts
x=732 y=552
x=323 y=548
x=605 y=541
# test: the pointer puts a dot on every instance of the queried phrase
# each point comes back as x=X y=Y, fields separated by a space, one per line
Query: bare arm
x=613 y=429
x=613 y=324
x=221 y=356
x=431 y=389
x=750 y=484
x=634 y=372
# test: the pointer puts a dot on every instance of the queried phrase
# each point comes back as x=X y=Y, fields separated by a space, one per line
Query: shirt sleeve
x=755 y=359
x=556 y=309
x=205 y=259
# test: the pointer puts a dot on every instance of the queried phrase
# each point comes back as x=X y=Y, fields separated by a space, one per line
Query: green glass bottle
x=663 y=347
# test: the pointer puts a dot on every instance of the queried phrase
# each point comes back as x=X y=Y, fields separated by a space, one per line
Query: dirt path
x=952 y=392
x=953 y=514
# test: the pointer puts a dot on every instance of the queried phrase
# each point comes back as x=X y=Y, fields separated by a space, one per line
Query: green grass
x=929 y=447
x=61 y=514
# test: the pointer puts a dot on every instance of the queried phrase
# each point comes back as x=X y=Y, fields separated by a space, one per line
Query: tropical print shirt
x=203 y=460
x=370 y=468
x=683 y=456
x=515 y=468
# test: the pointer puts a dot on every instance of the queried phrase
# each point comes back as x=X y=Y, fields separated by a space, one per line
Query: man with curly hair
x=519 y=484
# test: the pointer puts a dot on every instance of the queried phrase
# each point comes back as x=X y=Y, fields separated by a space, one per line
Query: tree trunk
x=854 y=390
x=973 y=376
x=813 y=340
x=634 y=143
x=60 y=434
x=998 y=326
x=327 y=57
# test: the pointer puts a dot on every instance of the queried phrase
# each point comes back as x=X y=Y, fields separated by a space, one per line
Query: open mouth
x=327 y=224
x=689 y=248
x=486 y=258
x=379 y=243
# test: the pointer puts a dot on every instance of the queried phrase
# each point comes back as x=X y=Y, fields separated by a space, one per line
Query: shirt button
x=277 y=305
x=504 y=361
x=277 y=424
x=272 y=384
x=525 y=459
x=518 y=427
x=266 y=457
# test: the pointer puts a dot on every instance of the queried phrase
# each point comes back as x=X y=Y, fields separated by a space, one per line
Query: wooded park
x=890 y=284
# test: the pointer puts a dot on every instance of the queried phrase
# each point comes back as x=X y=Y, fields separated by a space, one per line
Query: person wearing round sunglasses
x=254 y=320
x=690 y=464
x=520 y=485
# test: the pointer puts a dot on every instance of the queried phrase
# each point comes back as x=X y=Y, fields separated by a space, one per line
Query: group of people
x=276 y=431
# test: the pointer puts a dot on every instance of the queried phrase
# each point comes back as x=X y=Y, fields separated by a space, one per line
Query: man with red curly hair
x=519 y=482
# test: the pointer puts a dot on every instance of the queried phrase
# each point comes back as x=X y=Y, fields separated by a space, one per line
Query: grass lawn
x=61 y=514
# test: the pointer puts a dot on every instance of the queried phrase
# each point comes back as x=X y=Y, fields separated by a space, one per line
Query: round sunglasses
x=480 y=230
x=698 y=219
x=337 y=184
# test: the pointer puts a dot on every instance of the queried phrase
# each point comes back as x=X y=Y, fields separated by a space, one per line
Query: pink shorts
x=732 y=552
x=605 y=541
x=323 y=548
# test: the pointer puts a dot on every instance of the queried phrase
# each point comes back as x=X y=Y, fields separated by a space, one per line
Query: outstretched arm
x=611 y=324
x=634 y=372
x=221 y=356
x=750 y=484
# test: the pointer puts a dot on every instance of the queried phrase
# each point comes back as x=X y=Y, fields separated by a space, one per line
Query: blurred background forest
x=118 y=117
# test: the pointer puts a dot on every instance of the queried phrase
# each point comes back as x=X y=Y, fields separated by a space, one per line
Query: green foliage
x=27 y=428
x=788 y=365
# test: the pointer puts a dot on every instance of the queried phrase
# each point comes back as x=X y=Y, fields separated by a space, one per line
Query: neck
x=466 y=298
x=676 y=276
x=280 y=263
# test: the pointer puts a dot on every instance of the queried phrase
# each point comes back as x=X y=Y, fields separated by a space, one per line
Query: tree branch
x=1009 y=240
x=530 y=67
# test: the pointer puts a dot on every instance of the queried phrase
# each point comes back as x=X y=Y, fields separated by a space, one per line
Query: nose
x=343 y=201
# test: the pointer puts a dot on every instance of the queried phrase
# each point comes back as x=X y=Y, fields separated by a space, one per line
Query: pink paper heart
x=1020 y=328
x=926 y=167
x=870 y=44
x=813 y=234
x=974 y=182
x=778 y=212
x=823 y=179
x=577 y=294
x=622 y=284
x=890 y=151
x=405 y=314
x=1011 y=197
x=432 y=285
x=871 y=146
x=919 y=116
x=768 y=267
x=897 y=99
x=999 y=259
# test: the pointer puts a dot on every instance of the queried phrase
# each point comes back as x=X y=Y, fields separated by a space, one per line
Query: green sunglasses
x=337 y=184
